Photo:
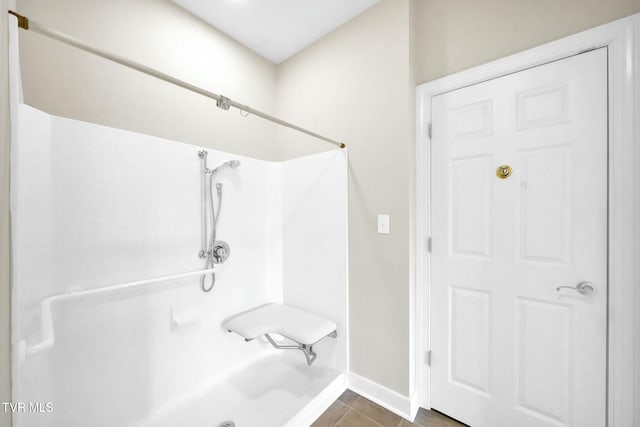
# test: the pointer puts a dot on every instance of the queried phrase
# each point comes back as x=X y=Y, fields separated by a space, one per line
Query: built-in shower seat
x=299 y=326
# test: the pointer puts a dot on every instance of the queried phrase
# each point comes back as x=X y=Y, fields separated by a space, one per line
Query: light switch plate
x=383 y=224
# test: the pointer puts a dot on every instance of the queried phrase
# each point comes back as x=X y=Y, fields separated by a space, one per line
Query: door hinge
x=429 y=244
x=427 y=357
x=429 y=131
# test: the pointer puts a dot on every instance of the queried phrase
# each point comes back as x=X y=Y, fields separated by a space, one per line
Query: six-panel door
x=508 y=347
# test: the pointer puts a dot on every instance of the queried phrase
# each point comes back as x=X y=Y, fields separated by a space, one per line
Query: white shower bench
x=299 y=326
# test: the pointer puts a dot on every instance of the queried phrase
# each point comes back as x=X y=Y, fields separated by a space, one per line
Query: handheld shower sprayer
x=230 y=164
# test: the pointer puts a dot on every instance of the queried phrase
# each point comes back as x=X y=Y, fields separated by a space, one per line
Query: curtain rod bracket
x=23 y=21
x=223 y=102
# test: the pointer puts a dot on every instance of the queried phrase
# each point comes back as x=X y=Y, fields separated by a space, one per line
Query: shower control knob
x=220 y=252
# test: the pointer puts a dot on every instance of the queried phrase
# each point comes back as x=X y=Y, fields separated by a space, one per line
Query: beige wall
x=5 y=257
x=452 y=35
x=356 y=85
x=68 y=82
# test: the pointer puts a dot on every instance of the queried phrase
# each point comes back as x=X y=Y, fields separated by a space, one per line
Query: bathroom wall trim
x=622 y=38
x=393 y=401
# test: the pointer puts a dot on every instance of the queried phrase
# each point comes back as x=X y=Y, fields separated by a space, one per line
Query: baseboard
x=395 y=402
x=319 y=404
x=415 y=404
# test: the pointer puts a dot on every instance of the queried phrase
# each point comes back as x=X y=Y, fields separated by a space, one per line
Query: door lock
x=504 y=171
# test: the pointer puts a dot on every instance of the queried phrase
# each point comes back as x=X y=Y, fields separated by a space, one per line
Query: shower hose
x=213 y=218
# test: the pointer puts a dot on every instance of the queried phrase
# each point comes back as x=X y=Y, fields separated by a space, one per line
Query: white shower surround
x=95 y=206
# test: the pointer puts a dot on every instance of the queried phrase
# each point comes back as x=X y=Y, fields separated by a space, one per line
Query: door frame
x=622 y=38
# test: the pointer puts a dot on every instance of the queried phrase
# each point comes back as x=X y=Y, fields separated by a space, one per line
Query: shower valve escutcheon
x=221 y=252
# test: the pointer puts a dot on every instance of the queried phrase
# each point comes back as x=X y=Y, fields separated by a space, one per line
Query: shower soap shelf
x=299 y=326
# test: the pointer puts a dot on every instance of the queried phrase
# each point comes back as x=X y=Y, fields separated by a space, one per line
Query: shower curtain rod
x=221 y=101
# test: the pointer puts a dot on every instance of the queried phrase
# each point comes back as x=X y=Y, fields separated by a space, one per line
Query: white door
x=510 y=348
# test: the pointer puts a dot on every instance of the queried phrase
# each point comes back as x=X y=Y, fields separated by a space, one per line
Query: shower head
x=230 y=163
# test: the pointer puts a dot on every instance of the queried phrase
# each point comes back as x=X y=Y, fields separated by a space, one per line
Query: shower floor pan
x=277 y=391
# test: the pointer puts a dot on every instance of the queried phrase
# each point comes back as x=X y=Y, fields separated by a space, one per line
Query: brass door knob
x=504 y=171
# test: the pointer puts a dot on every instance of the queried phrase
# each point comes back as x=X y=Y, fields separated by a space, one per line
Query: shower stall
x=116 y=237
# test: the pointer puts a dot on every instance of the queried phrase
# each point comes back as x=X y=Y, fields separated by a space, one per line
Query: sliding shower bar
x=221 y=101
x=47 y=332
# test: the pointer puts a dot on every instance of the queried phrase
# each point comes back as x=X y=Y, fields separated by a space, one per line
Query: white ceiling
x=276 y=29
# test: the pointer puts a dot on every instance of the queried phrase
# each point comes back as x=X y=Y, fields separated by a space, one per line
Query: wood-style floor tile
x=434 y=419
x=354 y=418
x=332 y=415
x=353 y=410
x=376 y=412
x=348 y=397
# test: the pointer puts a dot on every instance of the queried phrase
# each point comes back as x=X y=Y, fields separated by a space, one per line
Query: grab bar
x=47 y=332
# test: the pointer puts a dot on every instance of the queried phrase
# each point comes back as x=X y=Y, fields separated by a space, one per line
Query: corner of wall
x=276 y=265
x=413 y=308
x=5 y=235
x=378 y=137
x=636 y=396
